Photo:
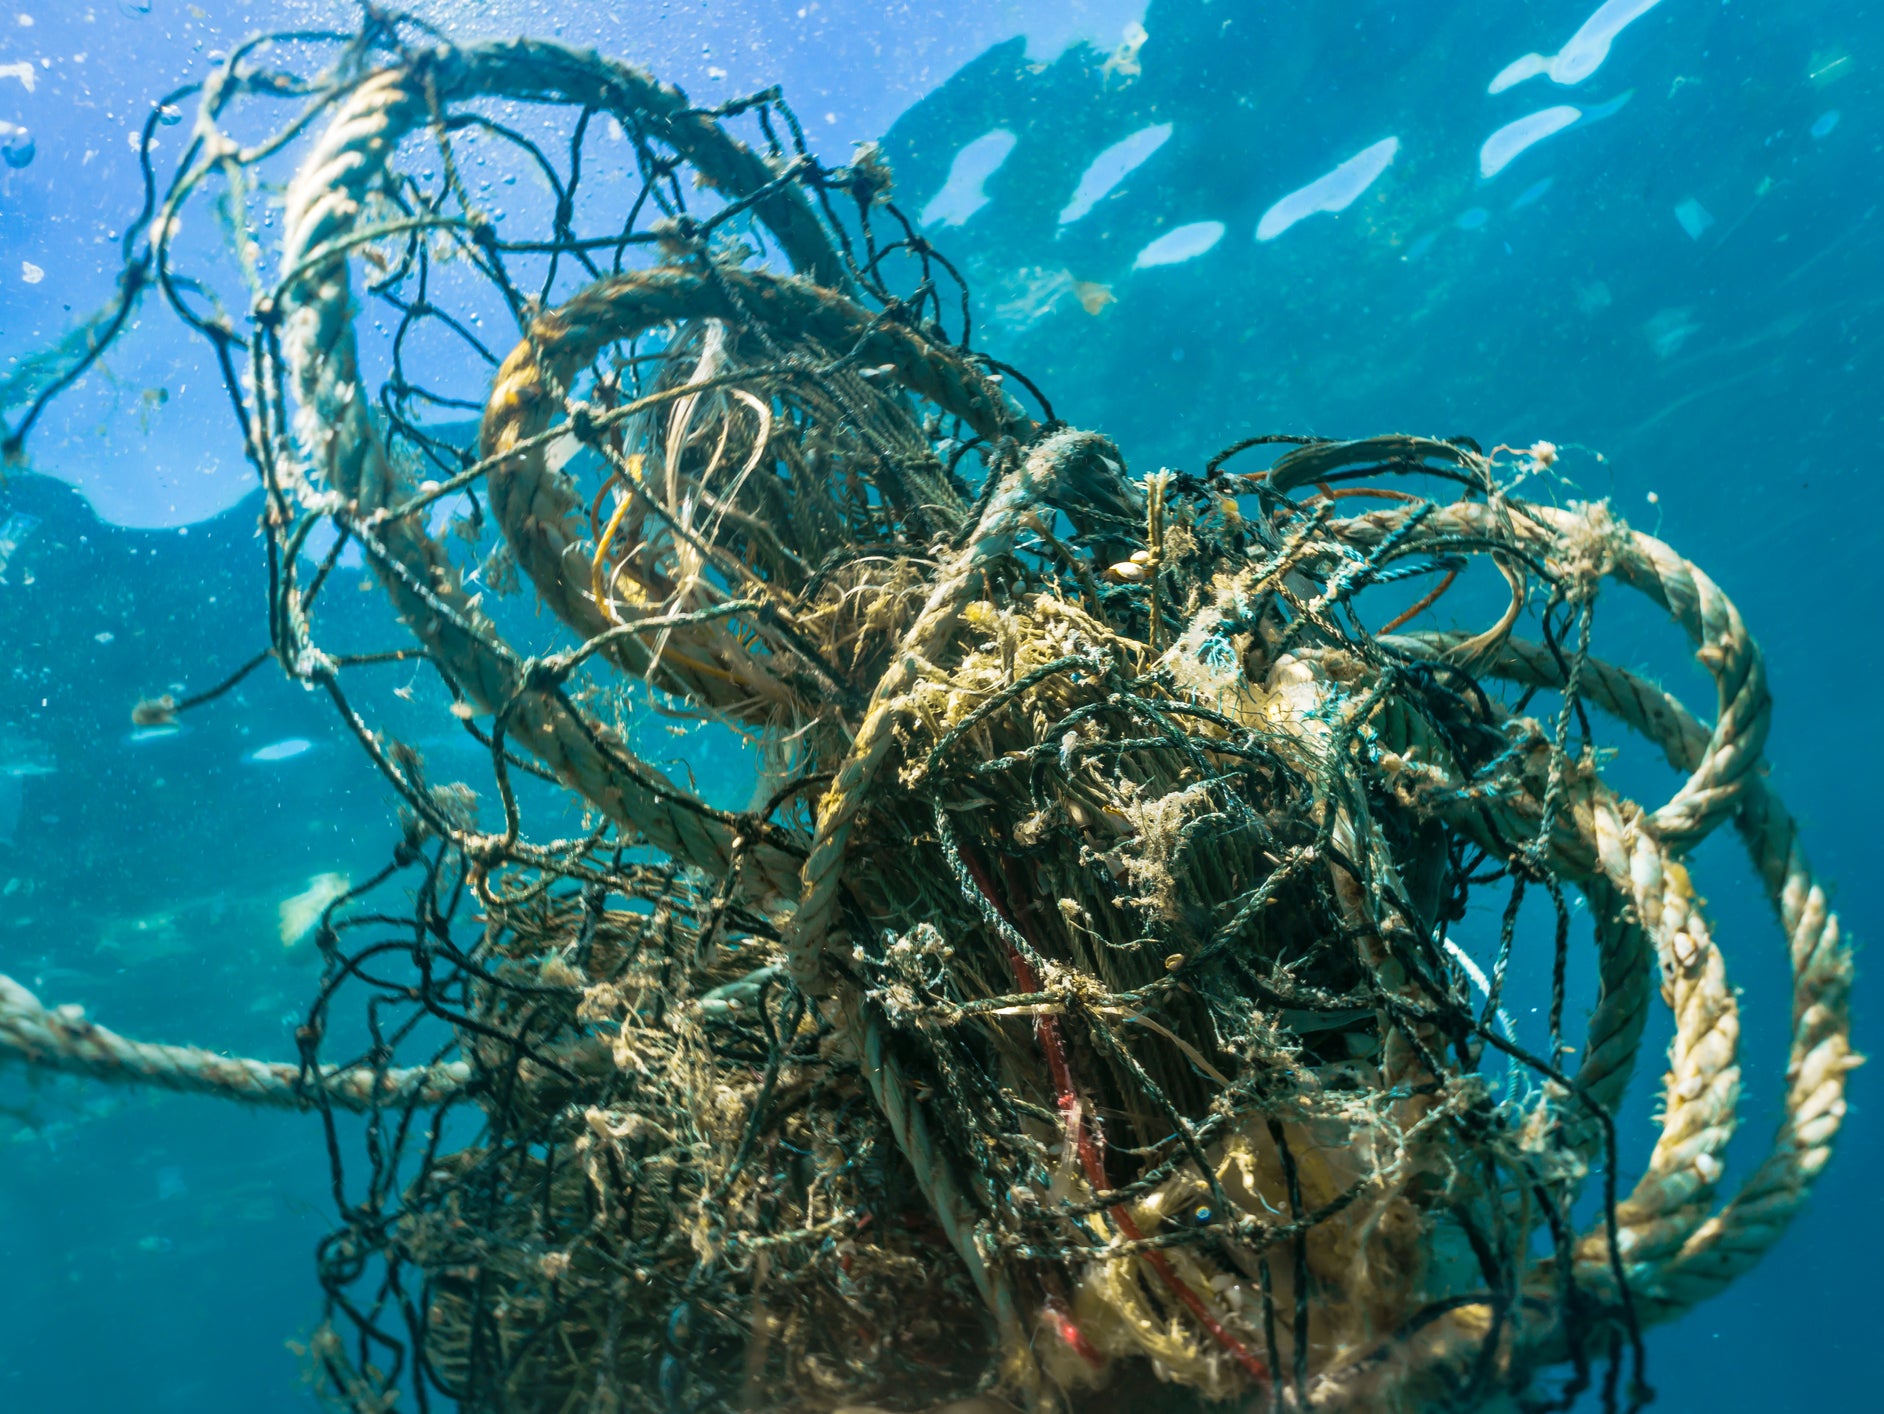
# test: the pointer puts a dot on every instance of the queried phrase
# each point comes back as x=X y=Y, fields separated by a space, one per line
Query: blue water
x=1657 y=244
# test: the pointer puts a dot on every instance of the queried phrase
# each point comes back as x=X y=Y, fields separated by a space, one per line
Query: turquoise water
x=1656 y=243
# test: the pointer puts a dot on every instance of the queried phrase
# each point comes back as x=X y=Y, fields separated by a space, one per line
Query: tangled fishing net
x=1071 y=1019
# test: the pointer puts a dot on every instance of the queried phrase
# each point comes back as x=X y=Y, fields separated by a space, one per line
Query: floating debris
x=1024 y=296
x=155 y=712
x=1694 y=218
x=299 y=914
x=1093 y=296
x=1828 y=66
x=1123 y=62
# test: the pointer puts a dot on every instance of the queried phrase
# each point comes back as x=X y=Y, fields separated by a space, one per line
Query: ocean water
x=1648 y=232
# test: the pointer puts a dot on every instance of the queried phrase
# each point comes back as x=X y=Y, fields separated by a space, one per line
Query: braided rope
x=1667 y=1277
x=1024 y=488
x=1615 y=841
x=324 y=205
x=1701 y=1091
x=542 y=517
x=1636 y=849
x=1603 y=545
x=1675 y=1254
x=1702 y=1088
x=1730 y=1241
x=1613 y=1038
x=62 y=1039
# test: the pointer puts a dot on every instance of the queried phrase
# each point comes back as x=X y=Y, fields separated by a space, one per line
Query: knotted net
x=1071 y=1019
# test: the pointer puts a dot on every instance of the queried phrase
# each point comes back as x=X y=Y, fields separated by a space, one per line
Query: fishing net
x=1071 y=1019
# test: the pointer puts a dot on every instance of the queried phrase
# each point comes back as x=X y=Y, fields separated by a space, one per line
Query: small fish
x=285 y=750
x=1093 y=296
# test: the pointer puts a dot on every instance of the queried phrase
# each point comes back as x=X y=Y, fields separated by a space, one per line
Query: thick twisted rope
x=324 y=207
x=1616 y=841
x=63 y=1039
x=1672 y=1249
x=1607 y=547
x=1730 y=1241
x=1666 y=1277
x=542 y=516
x=1025 y=488
x=1637 y=849
x=1701 y=1091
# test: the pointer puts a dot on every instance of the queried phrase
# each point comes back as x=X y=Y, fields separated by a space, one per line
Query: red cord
x=1069 y=1331
x=1087 y=1143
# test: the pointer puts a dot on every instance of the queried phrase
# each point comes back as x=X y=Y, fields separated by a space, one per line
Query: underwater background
x=1648 y=232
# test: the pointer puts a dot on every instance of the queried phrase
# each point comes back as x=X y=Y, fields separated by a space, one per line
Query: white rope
x=64 y=1039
